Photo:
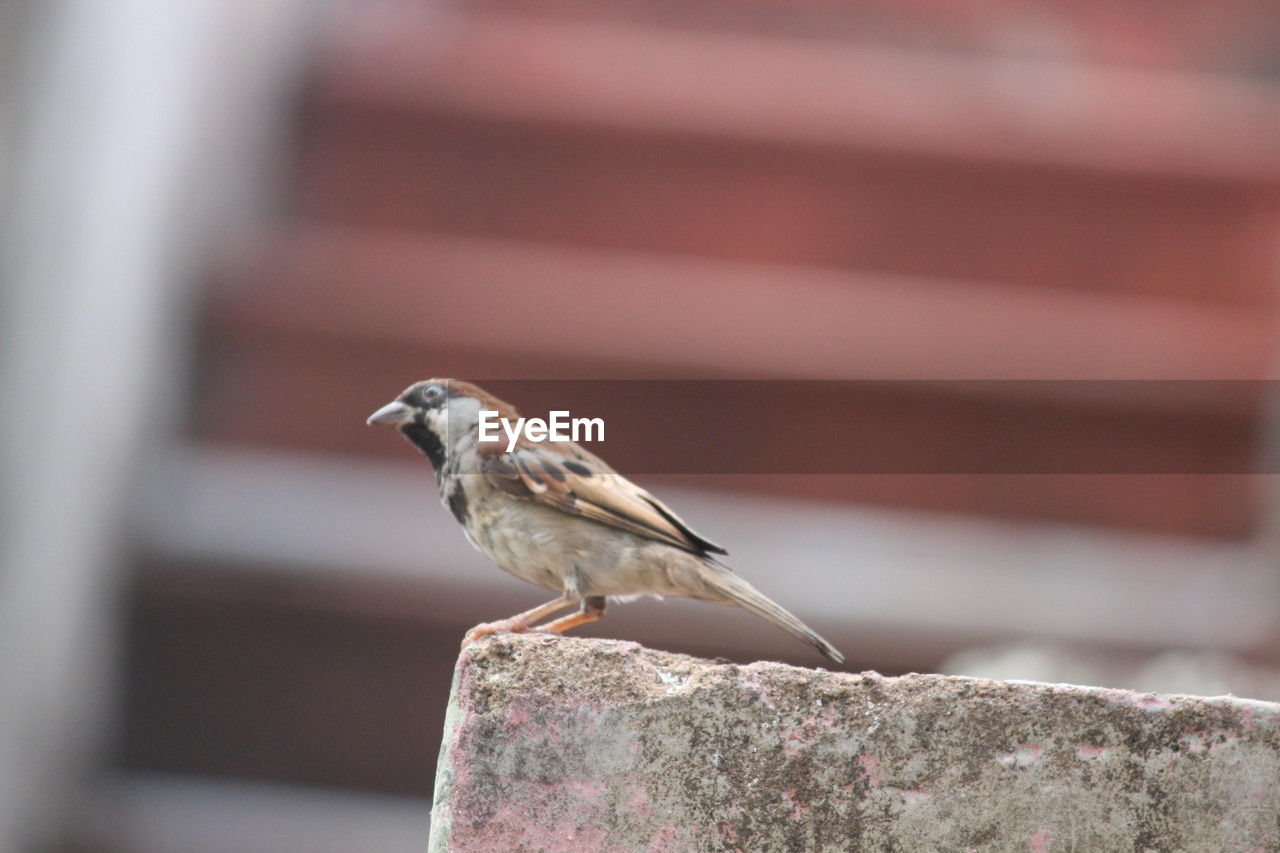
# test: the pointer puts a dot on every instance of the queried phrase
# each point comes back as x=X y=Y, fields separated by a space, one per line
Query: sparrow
x=555 y=515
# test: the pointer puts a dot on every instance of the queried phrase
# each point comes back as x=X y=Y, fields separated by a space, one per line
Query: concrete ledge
x=569 y=744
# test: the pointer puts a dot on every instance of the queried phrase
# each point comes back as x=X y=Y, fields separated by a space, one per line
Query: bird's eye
x=432 y=394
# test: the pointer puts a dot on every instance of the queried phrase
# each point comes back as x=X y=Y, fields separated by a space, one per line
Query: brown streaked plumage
x=558 y=516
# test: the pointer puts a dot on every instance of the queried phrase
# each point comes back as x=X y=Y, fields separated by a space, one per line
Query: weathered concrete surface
x=574 y=745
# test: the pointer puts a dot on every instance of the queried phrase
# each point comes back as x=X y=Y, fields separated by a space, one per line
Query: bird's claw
x=484 y=629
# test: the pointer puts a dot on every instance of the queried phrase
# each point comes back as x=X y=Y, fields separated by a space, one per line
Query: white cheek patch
x=464 y=415
x=435 y=420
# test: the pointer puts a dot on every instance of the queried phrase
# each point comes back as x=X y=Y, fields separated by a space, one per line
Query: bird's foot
x=484 y=629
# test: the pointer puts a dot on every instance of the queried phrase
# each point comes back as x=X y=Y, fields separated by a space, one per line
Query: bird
x=555 y=515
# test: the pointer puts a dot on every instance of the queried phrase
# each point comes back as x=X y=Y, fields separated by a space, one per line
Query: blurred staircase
x=590 y=193
x=888 y=190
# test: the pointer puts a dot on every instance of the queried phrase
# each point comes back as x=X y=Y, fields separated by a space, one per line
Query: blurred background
x=232 y=228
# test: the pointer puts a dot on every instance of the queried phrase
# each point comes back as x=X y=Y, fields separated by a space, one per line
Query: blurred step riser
x=862 y=211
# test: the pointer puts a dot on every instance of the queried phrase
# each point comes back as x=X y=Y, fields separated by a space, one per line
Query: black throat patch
x=427 y=441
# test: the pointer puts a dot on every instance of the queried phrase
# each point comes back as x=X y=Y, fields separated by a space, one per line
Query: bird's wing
x=578 y=483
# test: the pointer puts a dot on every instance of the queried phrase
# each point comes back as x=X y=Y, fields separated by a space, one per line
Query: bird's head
x=436 y=414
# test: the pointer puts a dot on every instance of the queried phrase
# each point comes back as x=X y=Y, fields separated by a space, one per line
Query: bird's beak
x=392 y=414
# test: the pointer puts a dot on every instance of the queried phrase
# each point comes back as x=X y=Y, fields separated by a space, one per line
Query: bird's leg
x=592 y=609
x=519 y=623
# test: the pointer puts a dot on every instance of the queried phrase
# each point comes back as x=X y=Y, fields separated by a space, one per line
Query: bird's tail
x=738 y=591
